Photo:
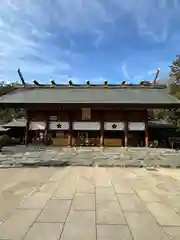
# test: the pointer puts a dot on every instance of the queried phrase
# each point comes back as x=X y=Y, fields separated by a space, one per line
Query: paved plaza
x=18 y=156
x=89 y=203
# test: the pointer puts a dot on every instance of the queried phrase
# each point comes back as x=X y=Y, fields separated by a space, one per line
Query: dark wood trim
x=146 y=130
x=126 y=129
x=70 y=129
x=126 y=133
x=46 y=130
x=102 y=129
x=69 y=106
x=27 y=128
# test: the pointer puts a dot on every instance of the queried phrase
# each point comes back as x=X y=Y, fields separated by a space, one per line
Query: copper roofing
x=91 y=94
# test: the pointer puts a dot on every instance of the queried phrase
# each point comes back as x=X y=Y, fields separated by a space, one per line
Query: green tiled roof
x=89 y=95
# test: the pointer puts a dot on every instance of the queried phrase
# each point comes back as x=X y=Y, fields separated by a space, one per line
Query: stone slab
x=64 y=192
x=144 y=227
x=164 y=214
x=44 y=231
x=147 y=196
x=77 y=231
x=105 y=194
x=172 y=232
x=113 y=232
x=85 y=187
x=130 y=202
x=55 y=211
x=83 y=202
x=37 y=201
x=109 y=213
x=123 y=188
x=81 y=216
x=17 y=225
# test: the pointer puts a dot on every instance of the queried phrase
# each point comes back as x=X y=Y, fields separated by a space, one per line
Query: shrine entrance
x=86 y=138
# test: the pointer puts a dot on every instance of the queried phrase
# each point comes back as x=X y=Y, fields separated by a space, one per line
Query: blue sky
x=88 y=39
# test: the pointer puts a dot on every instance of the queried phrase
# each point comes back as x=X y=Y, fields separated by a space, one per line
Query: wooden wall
x=96 y=115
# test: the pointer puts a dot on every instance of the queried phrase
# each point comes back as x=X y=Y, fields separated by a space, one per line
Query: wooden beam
x=70 y=129
x=146 y=130
x=125 y=128
x=126 y=133
x=46 y=130
x=27 y=128
x=102 y=130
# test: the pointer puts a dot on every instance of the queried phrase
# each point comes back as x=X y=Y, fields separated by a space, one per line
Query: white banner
x=58 y=125
x=37 y=125
x=136 y=126
x=86 y=126
x=114 y=126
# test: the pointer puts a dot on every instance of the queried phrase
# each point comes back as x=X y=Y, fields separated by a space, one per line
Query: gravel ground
x=88 y=156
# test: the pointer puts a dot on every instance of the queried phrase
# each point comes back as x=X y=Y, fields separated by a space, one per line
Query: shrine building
x=88 y=115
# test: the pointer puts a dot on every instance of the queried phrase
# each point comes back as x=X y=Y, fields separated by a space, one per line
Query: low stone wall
x=89 y=156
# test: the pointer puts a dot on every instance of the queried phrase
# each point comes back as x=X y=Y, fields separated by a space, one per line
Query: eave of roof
x=2 y=129
x=124 y=96
x=15 y=123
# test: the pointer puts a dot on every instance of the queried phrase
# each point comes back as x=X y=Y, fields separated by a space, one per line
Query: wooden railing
x=112 y=142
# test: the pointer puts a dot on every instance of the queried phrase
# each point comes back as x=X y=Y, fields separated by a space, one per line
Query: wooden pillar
x=102 y=130
x=126 y=133
x=146 y=130
x=125 y=129
x=27 y=128
x=46 y=130
x=70 y=129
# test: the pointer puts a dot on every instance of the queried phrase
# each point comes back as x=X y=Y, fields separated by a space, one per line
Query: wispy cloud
x=125 y=72
x=99 y=35
x=60 y=38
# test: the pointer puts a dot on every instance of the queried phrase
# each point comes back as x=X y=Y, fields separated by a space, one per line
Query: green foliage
x=5 y=140
x=175 y=68
x=7 y=114
x=173 y=115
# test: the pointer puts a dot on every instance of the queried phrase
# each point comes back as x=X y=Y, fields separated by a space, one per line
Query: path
x=89 y=203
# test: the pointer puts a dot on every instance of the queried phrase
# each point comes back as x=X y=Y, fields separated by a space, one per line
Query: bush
x=5 y=140
x=15 y=141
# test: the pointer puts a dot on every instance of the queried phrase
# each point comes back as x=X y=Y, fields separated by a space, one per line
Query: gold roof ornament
x=52 y=83
x=87 y=83
x=70 y=83
x=105 y=83
x=123 y=82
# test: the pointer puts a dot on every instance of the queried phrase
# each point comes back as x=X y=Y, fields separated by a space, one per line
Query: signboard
x=86 y=126
x=86 y=113
x=114 y=126
x=53 y=118
x=58 y=125
x=37 y=125
x=136 y=126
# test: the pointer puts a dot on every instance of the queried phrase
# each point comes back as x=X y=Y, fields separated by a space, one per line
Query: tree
x=173 y=81
x=7 y=114
x=175 y=69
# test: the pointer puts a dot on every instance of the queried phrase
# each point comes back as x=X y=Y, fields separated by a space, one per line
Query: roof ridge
x=95 y=86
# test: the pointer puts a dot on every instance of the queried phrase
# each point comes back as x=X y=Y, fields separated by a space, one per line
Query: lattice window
x=86 y=113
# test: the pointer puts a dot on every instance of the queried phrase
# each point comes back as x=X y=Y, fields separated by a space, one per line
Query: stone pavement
x=88 y=156
x=92 y=203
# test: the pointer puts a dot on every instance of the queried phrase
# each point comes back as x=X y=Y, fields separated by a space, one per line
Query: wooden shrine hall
x=88 y=115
